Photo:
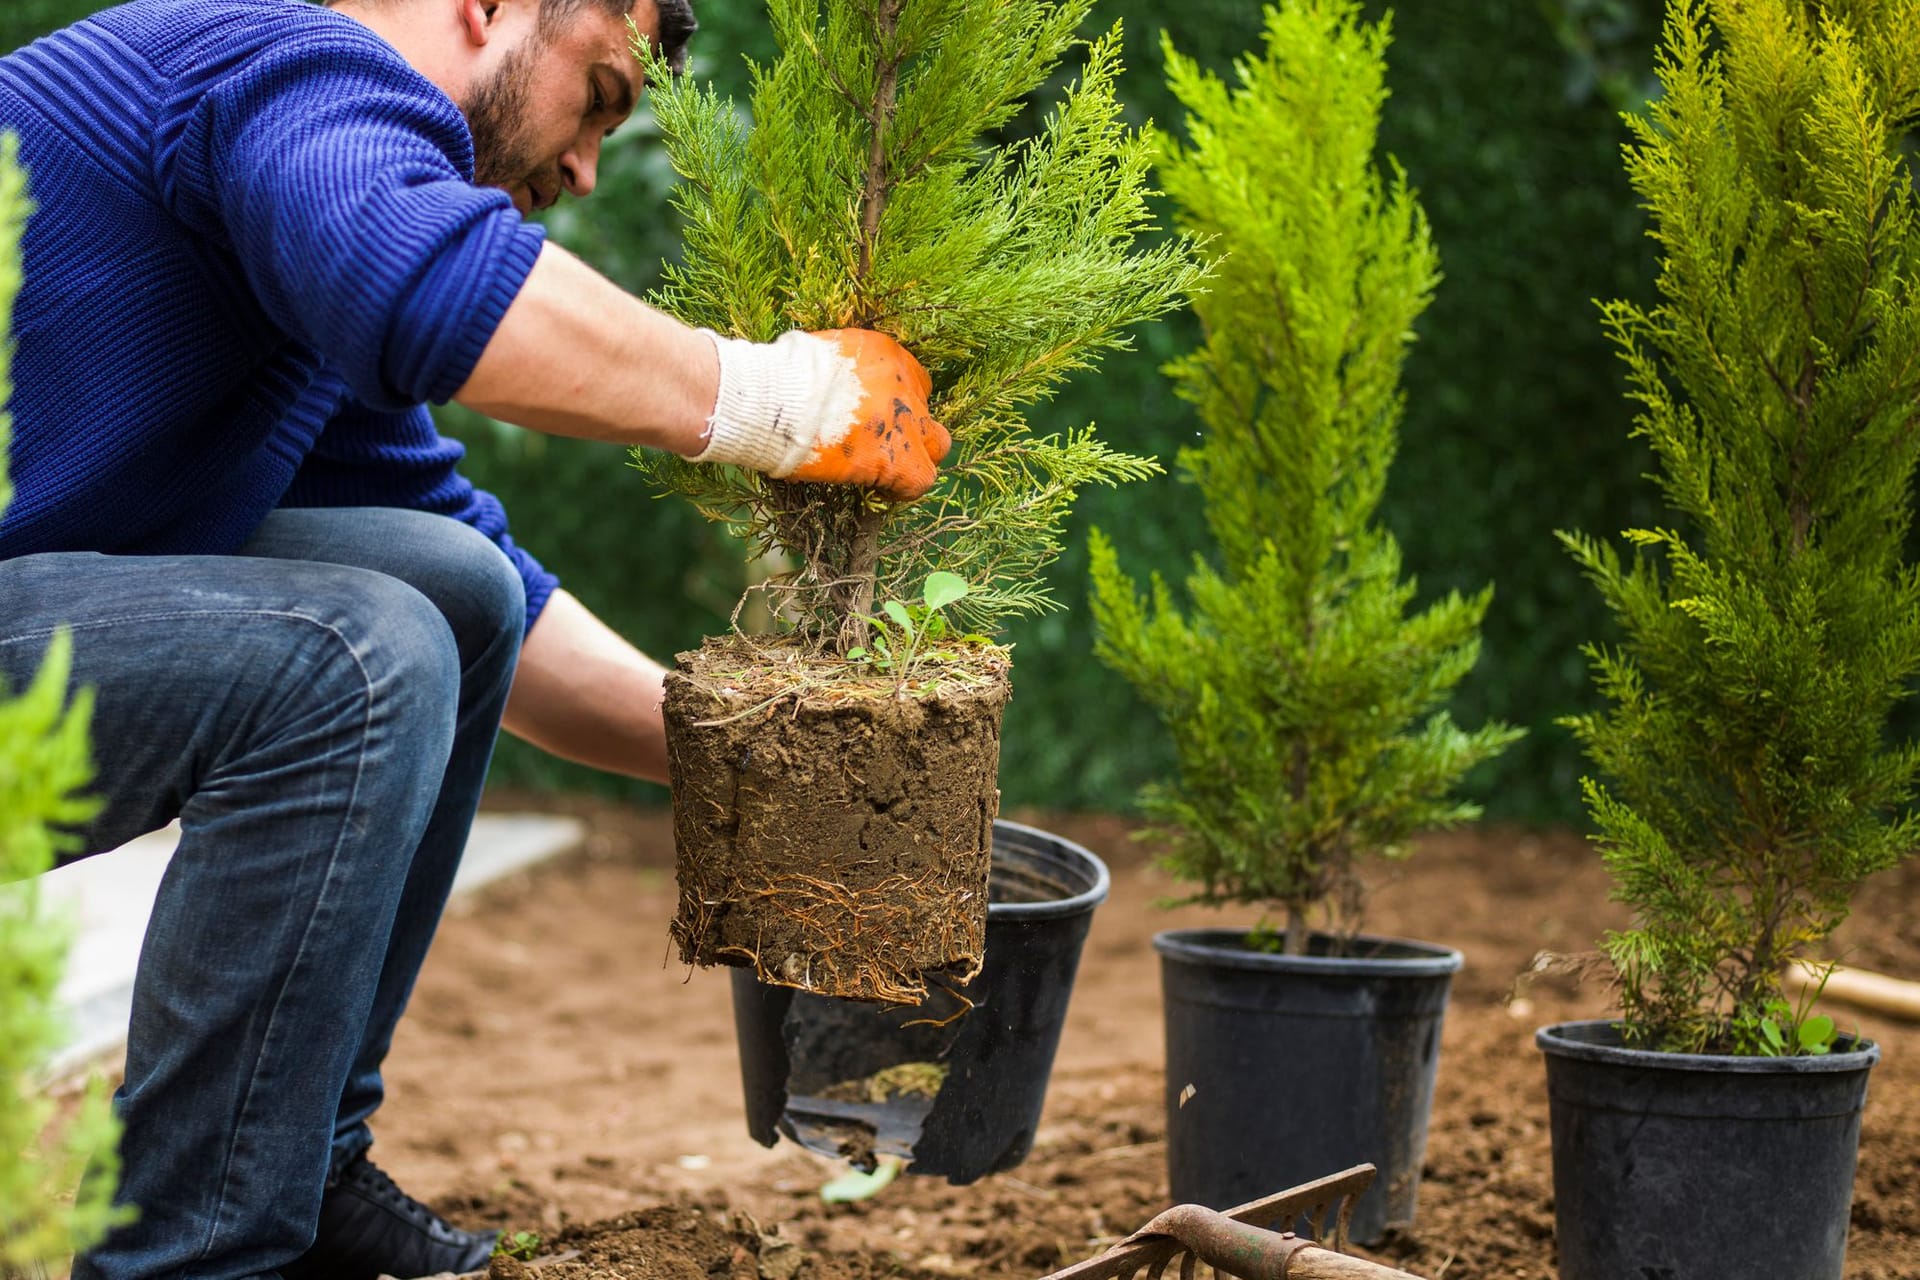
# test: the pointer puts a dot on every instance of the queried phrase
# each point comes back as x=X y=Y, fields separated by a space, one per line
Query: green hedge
x=1504 y=115
x=24 y=20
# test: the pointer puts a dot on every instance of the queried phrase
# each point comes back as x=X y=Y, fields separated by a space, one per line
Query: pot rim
x=1086 y=900
x=1557 y=1040
x=1206 y=946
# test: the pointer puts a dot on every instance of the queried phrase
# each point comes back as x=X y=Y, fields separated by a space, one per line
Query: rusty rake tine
x=1352 y=1182
x=1188 y=1264
x=1105 y=1266
x=1341 y=1221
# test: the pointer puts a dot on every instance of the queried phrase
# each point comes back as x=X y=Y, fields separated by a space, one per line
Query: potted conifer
x=835 y=784
x=1749 y=783
x=43 y=763
x=1306 y=705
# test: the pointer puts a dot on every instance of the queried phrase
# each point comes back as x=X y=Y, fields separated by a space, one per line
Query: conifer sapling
x=1749 y=785
x=1306 y=706
x=867 y=193
x=835 y=787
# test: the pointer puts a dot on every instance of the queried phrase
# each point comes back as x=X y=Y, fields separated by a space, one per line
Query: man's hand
x=844 y=406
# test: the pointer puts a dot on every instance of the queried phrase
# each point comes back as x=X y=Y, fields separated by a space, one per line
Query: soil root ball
x=834 y=834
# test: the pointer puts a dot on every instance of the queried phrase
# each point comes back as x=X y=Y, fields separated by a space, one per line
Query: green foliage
x=1752 y=784
x=523 y=1245
x=1781 y=1031
x=899 y=638
x=25 y=20
x=861 y=196
x=43 y=764
x=1305 y=704
x=1606 y=53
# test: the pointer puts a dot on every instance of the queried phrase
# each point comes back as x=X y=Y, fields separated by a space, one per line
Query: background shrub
x=43 y=766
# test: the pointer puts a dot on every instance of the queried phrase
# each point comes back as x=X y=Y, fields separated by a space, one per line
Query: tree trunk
x=1297 y=929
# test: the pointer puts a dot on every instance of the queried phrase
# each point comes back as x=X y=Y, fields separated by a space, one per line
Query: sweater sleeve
x=369 y=458
x=339 y=178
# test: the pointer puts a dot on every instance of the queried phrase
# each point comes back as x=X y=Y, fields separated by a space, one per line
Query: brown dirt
x=683 y=1241
x=834 y=834
x=556 y=1069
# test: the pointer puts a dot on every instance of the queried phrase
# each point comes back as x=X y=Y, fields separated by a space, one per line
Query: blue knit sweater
x=257 y=254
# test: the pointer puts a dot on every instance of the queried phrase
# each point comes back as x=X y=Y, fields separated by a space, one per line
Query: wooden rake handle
x=1863 y=989
x=1255 y=1253
x=1250 y=1241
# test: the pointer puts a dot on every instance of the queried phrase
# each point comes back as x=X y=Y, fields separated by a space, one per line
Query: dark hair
x=677 y=23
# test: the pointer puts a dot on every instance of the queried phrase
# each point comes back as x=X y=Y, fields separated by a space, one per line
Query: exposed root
x=846 y=941
x=952 y=989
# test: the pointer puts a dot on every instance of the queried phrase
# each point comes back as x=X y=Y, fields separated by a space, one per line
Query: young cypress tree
x=835 y=788
x=1751 y=785
x=866 y=192
x=43 y=763
x=1305 y=704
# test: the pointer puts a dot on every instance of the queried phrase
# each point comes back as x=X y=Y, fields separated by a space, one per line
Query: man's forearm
x=586 y=695
x=576 y=355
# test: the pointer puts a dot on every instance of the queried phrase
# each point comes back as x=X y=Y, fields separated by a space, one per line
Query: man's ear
x=476 y=19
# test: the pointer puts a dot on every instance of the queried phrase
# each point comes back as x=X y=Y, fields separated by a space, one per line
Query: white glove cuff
x=779 y=402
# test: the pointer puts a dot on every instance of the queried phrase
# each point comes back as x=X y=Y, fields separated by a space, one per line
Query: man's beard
x=496 y=116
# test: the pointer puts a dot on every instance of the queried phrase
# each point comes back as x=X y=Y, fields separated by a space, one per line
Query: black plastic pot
x=1671 y=1166
x=1282 y=1069
x=995 y=1040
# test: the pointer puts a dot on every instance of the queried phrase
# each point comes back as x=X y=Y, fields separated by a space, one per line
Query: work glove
x=843 y=406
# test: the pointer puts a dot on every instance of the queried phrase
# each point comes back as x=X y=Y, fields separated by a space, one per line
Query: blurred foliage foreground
x=1505 y=116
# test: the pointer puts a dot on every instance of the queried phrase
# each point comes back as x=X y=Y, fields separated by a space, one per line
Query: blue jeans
x=318 y=711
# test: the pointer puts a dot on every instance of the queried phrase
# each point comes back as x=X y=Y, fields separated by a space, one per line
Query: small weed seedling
x=521 y=1245
x=897 y=638
x=1783 y=1030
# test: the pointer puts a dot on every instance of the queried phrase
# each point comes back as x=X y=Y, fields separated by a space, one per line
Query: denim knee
x=383 y=646
x=468 y=578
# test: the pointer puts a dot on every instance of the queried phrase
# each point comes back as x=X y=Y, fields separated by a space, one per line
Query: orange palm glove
x=844 y=406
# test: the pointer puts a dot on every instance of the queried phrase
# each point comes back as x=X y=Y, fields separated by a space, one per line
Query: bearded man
x=268 y=234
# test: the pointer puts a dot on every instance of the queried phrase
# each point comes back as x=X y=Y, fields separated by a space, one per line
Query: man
x=267 y=233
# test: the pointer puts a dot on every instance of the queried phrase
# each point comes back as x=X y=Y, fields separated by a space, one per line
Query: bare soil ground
x=558 y=1073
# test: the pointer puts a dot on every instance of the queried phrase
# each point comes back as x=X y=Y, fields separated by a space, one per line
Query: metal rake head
x=1253 y=1241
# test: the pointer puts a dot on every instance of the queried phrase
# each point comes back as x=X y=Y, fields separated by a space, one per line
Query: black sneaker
x=369 y=1228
